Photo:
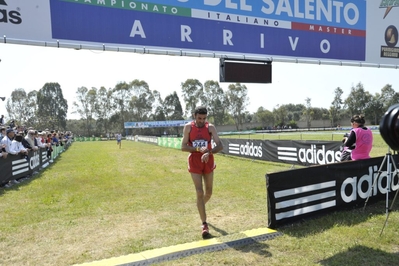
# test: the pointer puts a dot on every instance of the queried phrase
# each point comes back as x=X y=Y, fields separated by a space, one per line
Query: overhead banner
x=147 y=139
x=285 y=151
x=346 y=30
x=296 y=194
x=152 y=124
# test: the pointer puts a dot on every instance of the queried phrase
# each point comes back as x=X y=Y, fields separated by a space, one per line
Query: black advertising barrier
x=16 y=166
x=285 y=151
x=300 y=193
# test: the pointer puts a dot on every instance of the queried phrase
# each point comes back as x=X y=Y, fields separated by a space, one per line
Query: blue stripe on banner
x=110 y=25
x=344 y=13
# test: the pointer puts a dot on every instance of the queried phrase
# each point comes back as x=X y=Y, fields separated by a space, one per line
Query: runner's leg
x=197 y=179
x=208 y=181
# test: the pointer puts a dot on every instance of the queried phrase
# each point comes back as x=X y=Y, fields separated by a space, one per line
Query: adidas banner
x=285 y=151
x=17 y=166
x=299 y=193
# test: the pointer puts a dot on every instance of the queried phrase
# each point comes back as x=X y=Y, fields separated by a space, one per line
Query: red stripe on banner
x=328 y=29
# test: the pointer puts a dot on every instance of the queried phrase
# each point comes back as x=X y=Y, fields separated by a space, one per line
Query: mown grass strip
x=98 y=201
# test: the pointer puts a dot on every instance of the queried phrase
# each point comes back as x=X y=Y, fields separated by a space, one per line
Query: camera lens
x=389 y=127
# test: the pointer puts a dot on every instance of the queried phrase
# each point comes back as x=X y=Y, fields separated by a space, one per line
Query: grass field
x=98 y=201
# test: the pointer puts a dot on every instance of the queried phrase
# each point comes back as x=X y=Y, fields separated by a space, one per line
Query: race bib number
x=200 y=143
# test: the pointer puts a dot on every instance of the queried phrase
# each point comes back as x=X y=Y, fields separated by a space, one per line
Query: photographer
x=361 y=137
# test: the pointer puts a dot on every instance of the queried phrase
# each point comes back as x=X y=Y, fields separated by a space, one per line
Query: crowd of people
x=18 y=140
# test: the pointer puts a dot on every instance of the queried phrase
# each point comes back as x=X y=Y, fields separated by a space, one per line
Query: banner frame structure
x=188 y=53
x=342 y=32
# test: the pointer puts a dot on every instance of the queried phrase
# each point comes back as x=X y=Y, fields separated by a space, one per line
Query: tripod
x=388 y=159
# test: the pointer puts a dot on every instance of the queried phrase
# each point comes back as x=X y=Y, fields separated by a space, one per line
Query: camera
x=389 y=127
x=346 y=136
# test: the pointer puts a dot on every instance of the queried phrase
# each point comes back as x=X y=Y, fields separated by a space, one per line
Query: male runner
x=197 y=136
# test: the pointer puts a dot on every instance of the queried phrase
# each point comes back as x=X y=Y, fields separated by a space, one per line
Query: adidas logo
x=9 y=16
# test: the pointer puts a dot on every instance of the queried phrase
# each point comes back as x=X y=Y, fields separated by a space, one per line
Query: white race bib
x=200 y=143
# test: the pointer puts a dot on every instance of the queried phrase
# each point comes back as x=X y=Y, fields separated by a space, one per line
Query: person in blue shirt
x=119 y=139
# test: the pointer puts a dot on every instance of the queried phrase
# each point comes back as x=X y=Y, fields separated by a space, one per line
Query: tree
x=308 y=112
x=52 y=106
x=294 y=111
x=17 y=106
x=375 y=109
x=280 y=113
x=104 y=109
x=31 y=109
x=86 y=106
x=265 y=117
x=122 y=95
x=158 y=102
x=193 y=92
x=214 y=99
x=358 y=100
x=319 y=113
x=237 y=101
x=140 y=104
x=172 y=107
x=336 y=106
x=389 y=96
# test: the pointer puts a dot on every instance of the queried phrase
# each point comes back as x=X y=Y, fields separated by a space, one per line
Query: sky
x=30 y=67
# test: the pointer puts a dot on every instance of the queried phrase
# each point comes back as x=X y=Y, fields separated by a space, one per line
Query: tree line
x=105 y=110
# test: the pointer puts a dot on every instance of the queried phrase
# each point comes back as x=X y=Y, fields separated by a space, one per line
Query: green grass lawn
x=98 y=201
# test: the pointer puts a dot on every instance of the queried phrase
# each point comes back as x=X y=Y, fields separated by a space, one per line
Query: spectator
x=39 y=139
x=49 y=142
x=12 y=124
x=361 y=137
x=24 y=142
x=2 y=120
x=30 y=138
x=7 y=140
x=17 y=147
x=61 y=139
x=2 y=133
x=55 y=139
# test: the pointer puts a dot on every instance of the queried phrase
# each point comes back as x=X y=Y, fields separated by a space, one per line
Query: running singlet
x=200 y=136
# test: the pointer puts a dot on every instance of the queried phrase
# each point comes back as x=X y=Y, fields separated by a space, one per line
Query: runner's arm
x=216 y=139
x=186 y=138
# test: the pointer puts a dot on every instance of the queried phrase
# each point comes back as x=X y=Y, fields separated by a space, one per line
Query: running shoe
x=205 y=230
